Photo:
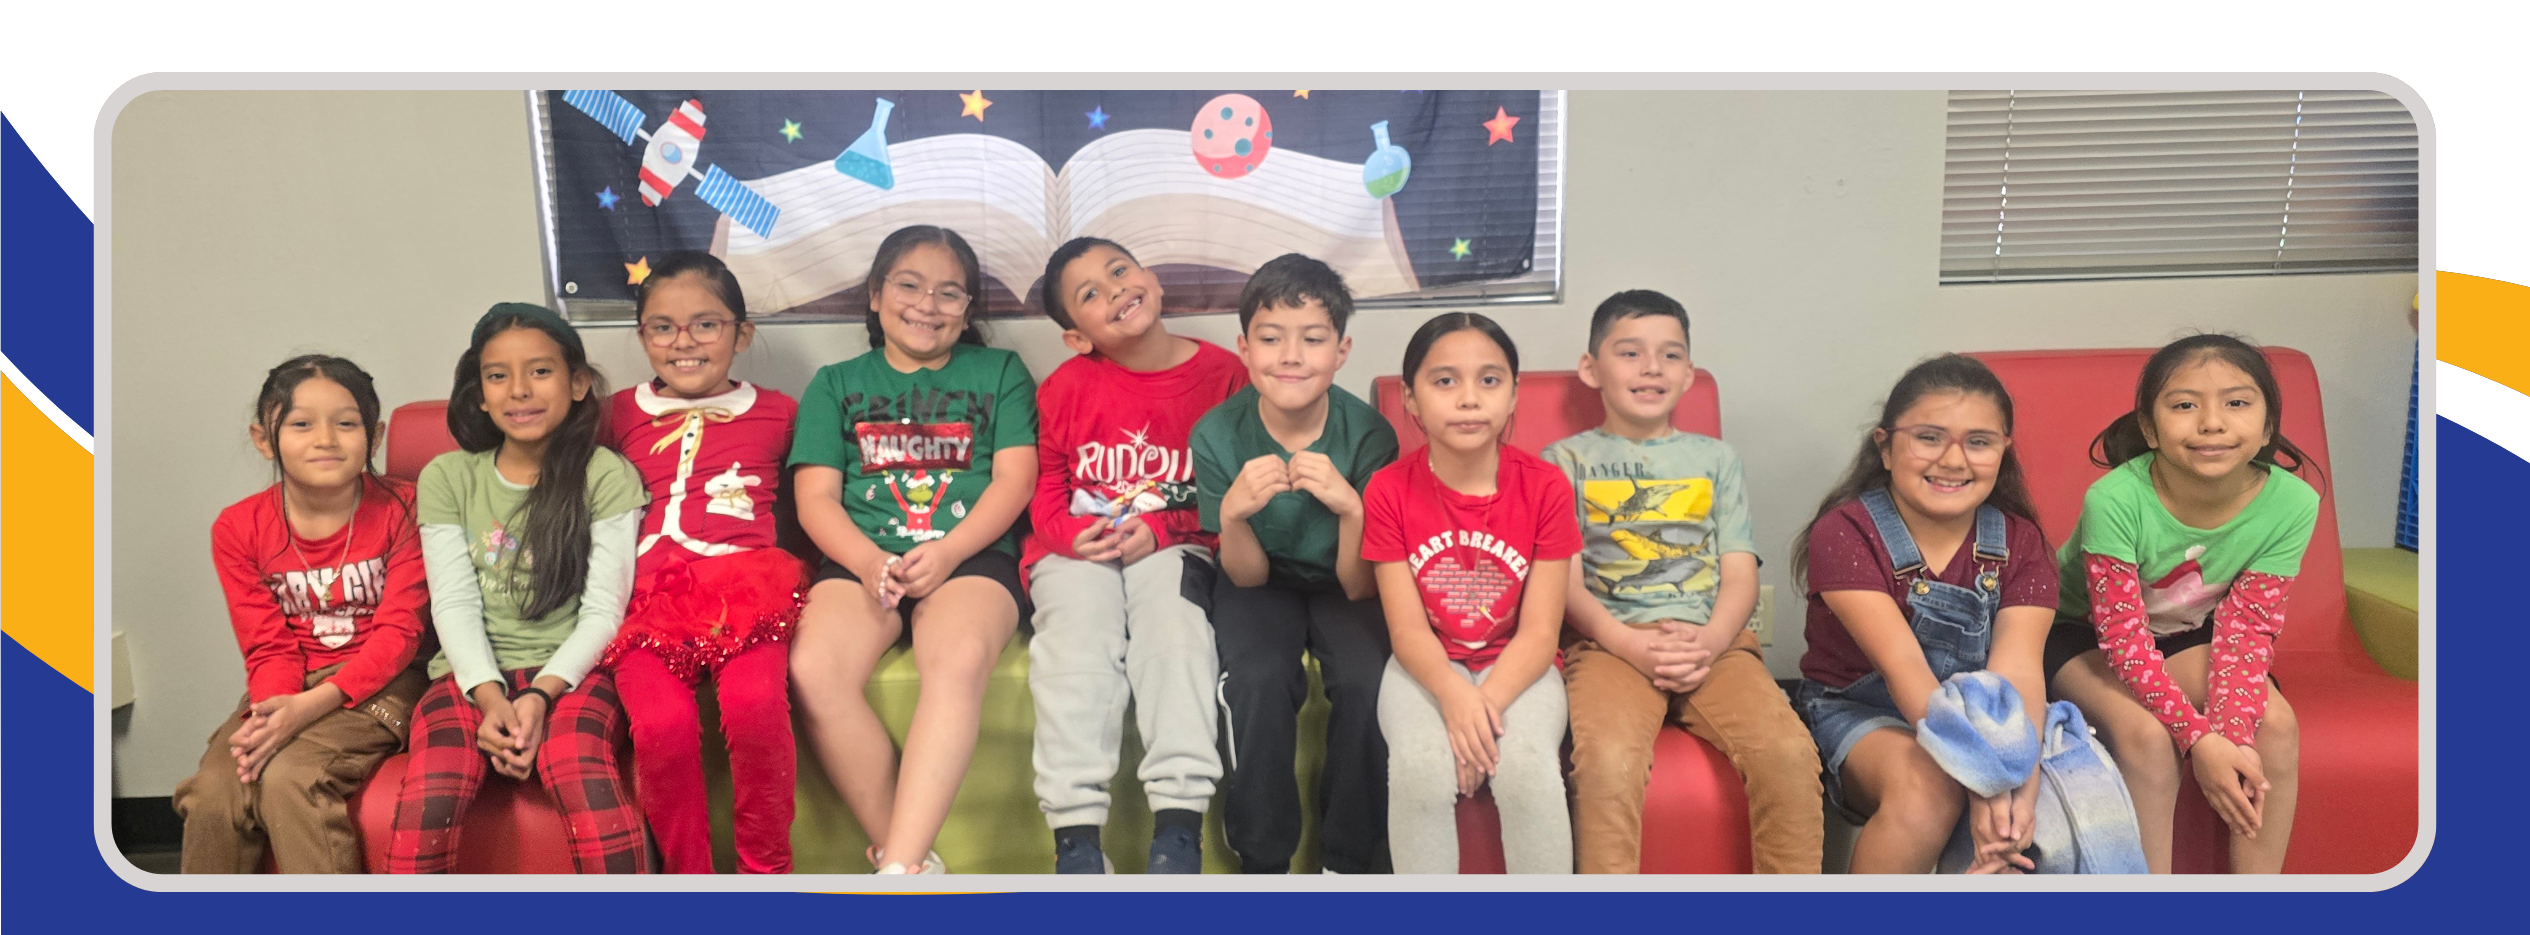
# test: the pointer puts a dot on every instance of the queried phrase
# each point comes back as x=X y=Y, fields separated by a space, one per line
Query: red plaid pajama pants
x=576 y=763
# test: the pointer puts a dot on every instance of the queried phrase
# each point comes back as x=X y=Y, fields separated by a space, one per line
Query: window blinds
x=2123 y=184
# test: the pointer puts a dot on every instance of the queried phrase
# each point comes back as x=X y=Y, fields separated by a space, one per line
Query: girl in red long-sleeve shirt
x=324 y=581
x=2173 y=595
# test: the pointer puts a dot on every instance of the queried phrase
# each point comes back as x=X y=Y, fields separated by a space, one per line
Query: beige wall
x=250 y=227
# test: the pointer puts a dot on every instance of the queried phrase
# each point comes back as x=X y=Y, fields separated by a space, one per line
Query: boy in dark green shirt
x=1279 y=469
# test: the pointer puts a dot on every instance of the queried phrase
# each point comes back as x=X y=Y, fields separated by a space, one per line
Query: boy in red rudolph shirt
x=1120 y=568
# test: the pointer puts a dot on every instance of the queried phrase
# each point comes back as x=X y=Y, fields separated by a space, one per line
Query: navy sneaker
x=1076 y=851
x=1177 y=844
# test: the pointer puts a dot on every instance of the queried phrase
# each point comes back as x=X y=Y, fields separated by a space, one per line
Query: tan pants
x=299 y=806
x=1616 y=717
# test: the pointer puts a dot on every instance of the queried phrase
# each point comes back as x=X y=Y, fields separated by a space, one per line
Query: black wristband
x=548 y=696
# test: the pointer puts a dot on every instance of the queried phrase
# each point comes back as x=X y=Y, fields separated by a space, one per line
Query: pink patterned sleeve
x=2117 y=613
x=2246 y=624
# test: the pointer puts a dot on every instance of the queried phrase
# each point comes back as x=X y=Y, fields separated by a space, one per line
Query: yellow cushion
x=2381 y=602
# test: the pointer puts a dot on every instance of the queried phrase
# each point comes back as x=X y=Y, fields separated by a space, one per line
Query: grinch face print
x=2182 y=600
x=728 y=491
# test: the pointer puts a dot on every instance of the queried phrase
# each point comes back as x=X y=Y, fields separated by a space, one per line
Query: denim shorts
x=1838 y=719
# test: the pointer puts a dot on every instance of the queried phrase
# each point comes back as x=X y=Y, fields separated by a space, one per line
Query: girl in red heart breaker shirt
x=1456 y=530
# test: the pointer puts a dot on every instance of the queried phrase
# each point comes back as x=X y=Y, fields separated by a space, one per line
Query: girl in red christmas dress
x=2173 y=595
x=712 y=595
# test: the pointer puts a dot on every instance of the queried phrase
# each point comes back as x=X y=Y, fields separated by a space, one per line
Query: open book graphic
x=1140 y=188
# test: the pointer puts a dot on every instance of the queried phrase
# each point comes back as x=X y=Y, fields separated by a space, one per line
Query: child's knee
x=1779 y=757
x=2137 y=739
x=2279 y=736
x=1921 y=793
x=1599 y=763
x=1422 y=780
x=213 y=798
x=754 y=700
x=297 y=773
x=675 y=733
x=1530 y=774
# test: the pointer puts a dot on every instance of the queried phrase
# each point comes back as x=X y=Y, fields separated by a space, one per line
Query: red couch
x=2357 y=812
x=1695 y=815
x=512 y=827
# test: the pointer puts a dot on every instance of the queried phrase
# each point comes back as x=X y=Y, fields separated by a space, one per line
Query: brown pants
x=1616 y=716
x=299 y=806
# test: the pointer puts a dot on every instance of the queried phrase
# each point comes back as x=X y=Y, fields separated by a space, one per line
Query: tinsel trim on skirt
x=696 y=615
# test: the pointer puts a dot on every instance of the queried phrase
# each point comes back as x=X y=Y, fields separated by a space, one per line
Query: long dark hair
x=902 y=241
x=1948 y=373
x=556 y=534
x=2123 y=440
x=1050 y=291
x=281 y=387
x=716 y=277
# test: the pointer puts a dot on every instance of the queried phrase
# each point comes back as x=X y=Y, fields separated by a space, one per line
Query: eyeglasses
x=662 y=333
x=949 y=298
x=1931 y=442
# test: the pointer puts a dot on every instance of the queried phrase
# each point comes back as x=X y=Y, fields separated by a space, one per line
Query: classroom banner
x=1406 y=193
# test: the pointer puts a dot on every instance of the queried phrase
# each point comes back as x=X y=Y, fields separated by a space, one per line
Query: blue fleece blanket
x=1976 y=728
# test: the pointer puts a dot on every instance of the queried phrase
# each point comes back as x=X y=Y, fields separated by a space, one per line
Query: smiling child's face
x=2210 y=419
x=1113 y=300
x=1944 y=454
x=1640 y=369
x=528 y=386
x=321 y=441
x=1464 y=391
x=1292 y=353
x=924 y=301
x=690 y=368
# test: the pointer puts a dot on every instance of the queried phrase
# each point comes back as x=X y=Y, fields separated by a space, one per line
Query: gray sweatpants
x=1107 y=634
x=1528 y=787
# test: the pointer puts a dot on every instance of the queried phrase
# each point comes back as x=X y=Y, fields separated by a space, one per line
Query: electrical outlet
x=120 y=662
x=1763 y=618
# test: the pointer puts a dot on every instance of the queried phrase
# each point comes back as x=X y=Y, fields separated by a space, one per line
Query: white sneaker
x=931 y=865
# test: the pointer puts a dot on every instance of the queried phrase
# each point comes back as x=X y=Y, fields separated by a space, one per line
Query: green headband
x=562 y=330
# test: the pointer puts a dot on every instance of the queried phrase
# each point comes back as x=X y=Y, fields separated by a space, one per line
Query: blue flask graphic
x=1388 y=167
x=866 y=158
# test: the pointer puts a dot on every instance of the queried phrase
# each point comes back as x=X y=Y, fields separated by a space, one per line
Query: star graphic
x=1097 y=118
x=1498 y=129
x=638 y=270
x=1458 y=248
x=790 y=131
x=975 y=104
x=606 y=198
x=1303 y=95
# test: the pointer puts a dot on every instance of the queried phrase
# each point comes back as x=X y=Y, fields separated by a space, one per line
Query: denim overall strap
x=1991 y=539
x=1903 y=556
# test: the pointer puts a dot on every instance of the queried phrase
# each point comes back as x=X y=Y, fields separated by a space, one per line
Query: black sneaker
x=1178 y=845
x=1076 y=851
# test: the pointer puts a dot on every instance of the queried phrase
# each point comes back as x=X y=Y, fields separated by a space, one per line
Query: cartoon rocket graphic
x=673 y=151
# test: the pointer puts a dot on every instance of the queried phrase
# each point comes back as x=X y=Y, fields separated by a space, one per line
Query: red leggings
x=667 y=730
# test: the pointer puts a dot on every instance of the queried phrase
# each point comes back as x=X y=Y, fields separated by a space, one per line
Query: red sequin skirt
x=696 y=615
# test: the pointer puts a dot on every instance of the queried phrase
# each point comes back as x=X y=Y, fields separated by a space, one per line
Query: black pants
x=1261 y=632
